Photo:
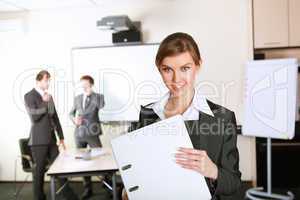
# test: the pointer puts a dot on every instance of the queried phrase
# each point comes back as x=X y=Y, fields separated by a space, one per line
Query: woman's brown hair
x=175 y=44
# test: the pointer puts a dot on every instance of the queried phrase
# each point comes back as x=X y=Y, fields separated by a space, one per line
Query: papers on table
x=88 y=154
x=81 y=159
x=70 y=162
x=97 y=152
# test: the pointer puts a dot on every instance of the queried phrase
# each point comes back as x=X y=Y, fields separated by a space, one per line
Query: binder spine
x=134 y=188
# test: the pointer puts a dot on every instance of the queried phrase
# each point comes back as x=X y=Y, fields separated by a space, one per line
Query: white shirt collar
x=199 y=103
x=39 y=90
x=85 y=94
x=84 y=98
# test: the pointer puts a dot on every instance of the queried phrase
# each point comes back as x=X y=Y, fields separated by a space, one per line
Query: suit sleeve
x=72 y=112
x=229 y=176
x=56 y=121
x=101 y=101
x=35 y=111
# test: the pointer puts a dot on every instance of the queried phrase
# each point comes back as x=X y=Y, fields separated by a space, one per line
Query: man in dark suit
x=45 y=123
x=85 y=115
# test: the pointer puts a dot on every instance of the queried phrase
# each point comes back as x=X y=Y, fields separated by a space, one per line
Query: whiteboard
x=126 y=75
x=270 y=106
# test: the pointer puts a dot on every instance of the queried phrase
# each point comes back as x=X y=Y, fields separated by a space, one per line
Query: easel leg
x=257 y=193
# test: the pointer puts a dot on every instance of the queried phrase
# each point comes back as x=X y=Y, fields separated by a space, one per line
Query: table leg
x=52 y=188
x=114 y=187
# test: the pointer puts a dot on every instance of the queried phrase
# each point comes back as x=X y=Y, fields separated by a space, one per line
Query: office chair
x=27 y=164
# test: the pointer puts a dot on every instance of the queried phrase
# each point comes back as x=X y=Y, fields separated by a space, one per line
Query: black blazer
x=217 y=136
x=44 y=119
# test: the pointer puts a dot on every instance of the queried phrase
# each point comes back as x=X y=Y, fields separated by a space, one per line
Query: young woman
x=212 y=128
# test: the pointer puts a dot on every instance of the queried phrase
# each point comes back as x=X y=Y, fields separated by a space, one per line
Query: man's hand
x=62 y=144
x=198 y=161
x=78 y=121
x=46 y=97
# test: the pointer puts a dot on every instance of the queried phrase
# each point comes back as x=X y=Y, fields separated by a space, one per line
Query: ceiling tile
x=49 y=4
x=5 y=7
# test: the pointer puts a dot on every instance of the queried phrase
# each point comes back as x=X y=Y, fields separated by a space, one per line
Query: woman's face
x=179 y=73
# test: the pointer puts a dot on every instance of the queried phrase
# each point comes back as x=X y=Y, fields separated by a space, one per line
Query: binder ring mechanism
x=134 y=188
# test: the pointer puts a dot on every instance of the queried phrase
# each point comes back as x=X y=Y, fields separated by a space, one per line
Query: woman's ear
x=199 y=65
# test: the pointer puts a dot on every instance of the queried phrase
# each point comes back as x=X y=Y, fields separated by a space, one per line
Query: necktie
x=87 y=101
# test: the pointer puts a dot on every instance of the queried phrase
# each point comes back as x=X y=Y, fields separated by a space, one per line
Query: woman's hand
x=124 y=195
x=198 y=161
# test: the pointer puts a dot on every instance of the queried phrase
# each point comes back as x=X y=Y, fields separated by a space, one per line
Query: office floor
x=7 y=191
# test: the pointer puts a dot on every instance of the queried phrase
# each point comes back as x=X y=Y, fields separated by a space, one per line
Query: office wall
x=47 y=36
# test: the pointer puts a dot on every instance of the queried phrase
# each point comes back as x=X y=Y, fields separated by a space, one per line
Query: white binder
x=147 y=165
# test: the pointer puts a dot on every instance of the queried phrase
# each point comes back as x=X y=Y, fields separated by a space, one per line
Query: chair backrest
x=25 y=150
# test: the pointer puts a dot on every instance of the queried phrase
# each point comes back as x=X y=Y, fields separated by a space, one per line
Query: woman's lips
x=178 y=86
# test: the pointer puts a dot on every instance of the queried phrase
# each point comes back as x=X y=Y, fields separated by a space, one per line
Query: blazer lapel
x=148 y=116
x=214 y=137
x=205 y=133
x=199 y=130
x=81 y=102
x=38 y=96
x=91 y=102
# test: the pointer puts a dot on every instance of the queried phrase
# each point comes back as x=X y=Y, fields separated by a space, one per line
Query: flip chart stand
x=257 y=193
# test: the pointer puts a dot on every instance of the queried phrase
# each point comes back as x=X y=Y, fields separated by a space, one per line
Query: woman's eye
x=166 y=69
x=185 y=68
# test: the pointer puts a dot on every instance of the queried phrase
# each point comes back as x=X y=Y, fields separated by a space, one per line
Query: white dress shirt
x=40 y=91
x=84 y=99
x=199 y=103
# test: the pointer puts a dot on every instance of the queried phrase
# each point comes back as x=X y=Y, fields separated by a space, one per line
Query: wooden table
x=66 y=165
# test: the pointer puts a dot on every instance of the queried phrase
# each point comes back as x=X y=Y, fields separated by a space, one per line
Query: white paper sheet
x=149 y=152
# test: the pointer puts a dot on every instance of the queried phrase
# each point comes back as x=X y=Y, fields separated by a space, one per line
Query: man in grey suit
x=42 y=141
x=85 y=115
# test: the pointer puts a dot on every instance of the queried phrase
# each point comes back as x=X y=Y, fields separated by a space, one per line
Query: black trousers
x=44 y=155
x=93 y=142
